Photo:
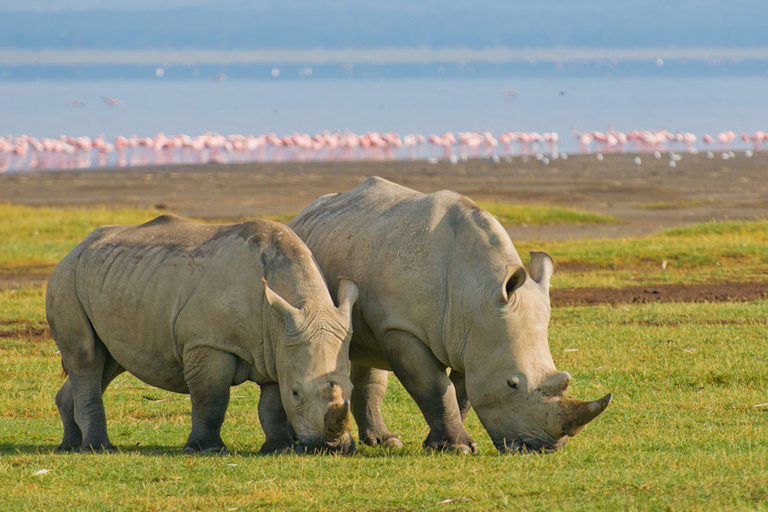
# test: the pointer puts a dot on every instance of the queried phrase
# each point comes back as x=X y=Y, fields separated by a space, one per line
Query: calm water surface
x=698 y=105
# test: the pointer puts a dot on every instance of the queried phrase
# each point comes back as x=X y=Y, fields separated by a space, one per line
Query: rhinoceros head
x=313 y=370
x=511 y=379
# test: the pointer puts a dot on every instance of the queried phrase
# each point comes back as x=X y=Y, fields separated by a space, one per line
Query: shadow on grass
x=148 y=450
x=8 y=449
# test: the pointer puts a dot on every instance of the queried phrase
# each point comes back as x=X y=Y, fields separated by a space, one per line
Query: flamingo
x=725 y=138
x=29 y=152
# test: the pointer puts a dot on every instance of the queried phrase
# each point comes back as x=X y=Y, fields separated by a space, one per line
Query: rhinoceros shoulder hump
x=165 y=220
x=268 y=232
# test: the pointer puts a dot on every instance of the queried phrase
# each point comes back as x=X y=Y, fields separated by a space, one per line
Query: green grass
x=34 y=239
x=683 y=431
x=673 y=205
x=703 y=253
x=539 y=215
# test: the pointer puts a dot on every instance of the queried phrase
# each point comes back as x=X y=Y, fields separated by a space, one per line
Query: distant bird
x=76 y=103
x=112 y=102
x=562 y=93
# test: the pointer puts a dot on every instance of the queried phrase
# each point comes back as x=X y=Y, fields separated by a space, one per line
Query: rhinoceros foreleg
x=274 y=422
x=209 y=374
x=370 y=386
x=459 y=383
x=424 y=377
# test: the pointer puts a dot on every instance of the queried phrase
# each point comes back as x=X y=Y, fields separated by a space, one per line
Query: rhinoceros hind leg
x=424 y=377
x=65 y=403
x=86 y=360
x=370 y=386
x=87 y=384
x=209 y=374
x=280 y=436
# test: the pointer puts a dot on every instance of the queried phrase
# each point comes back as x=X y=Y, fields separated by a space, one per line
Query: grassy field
x=537 y=215
x=687 y=429
x=33 y=240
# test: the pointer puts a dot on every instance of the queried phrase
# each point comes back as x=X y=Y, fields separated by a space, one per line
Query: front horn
x=576 y=414
x=337 y=420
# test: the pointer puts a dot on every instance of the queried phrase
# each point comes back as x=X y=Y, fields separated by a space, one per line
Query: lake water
x=698 y=105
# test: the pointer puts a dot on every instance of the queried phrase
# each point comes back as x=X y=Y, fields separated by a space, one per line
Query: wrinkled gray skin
x=442 y=286
x=186 y=307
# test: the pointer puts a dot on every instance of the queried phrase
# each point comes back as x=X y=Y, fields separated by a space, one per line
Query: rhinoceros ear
x=542 y=267
x=347 y=295
x=289 y=314
x=512 y=281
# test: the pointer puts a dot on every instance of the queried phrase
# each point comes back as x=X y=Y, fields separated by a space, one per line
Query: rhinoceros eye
x=513 y=383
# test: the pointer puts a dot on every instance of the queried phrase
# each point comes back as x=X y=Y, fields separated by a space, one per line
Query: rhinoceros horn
x=291 y=315
x=337 y=419
x=575 y=414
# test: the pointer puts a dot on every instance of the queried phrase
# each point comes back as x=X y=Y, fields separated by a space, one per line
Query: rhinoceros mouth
x=529 y=446
x=344 y=445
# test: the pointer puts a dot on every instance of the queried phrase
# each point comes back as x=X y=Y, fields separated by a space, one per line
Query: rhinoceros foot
x=66 y=446
x=197 y=448
x=387 y=440
x=463 y=444
x=274 y=447
x=109 y=448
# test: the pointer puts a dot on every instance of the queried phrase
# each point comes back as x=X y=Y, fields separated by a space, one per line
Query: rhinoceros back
x=149 y=289
x=415 y=257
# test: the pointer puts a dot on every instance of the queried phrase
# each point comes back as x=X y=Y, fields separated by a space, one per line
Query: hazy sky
x=79 y=5
x=365 y=24
x=663 y=7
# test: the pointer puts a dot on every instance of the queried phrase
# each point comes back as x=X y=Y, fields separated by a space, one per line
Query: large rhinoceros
x=186 y=307
x=442 y=286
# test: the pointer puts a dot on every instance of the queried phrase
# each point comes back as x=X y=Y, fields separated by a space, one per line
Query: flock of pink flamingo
x=65 y=152
x=637 y=141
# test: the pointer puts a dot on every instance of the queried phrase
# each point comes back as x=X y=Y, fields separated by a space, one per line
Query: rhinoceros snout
x=343 y=445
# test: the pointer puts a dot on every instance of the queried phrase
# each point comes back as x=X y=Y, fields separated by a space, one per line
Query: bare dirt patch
x=15 y=280
x=26 y=332
x=660 y=293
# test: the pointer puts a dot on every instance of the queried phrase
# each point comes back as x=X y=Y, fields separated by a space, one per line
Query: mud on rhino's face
x=511 y=379
x=313 y=372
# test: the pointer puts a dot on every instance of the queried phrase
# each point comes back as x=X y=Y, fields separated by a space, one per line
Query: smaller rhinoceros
x=186 y=307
